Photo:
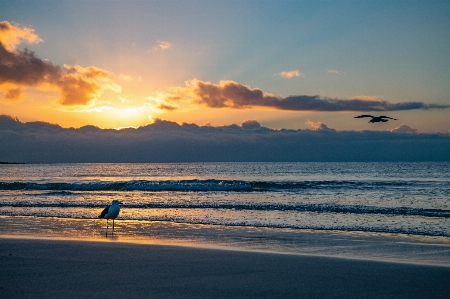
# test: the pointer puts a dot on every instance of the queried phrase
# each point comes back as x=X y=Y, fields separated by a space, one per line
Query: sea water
x=287 y=207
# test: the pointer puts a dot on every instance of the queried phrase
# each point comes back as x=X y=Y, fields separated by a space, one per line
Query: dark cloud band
x=230 y=94
x=165 y=141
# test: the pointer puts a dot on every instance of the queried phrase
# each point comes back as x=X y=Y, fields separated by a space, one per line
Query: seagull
x=111 y=212
x=376 y=119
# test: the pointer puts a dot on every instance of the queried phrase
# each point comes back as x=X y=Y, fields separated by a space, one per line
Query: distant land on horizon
x=166 y=141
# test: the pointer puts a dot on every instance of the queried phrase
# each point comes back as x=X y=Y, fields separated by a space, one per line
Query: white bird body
x=111 y=212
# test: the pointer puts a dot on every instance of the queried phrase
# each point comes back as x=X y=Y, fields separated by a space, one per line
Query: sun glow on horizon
x=181 y=62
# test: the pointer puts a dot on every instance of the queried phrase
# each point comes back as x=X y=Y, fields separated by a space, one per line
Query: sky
x=284 y=64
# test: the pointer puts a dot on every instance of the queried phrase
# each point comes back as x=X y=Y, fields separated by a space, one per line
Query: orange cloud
x=80 y=85
x=125 y=78
x=367 y=98
x=12 y=35
x=13 y=94
x=167 y=107
x=22 y=68
x=163 y=45
x=319 y=126
x=291 y=74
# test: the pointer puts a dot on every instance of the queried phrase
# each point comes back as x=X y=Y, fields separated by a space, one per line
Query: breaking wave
x=300 y=207
x=207 y=185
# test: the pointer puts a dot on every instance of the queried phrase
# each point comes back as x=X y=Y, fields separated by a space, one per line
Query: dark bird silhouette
x=111 y=212
x=376 y=119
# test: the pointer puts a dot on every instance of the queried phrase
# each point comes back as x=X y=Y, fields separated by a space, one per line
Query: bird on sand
x=376 y=119
x=111 y=212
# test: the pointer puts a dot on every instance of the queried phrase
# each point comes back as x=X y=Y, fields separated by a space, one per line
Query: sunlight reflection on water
x=411 y=249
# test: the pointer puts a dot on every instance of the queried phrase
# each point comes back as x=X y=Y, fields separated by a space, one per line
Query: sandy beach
x=46 y=268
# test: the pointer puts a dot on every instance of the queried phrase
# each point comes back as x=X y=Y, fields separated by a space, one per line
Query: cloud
x=167 y=107
x=231 y=94
x=125 y=78
x=124 y=100
x=251 y=124
x=166 y=141
x=333 y=72
x=13 y=95
x=162 y=45
x=367 y=98
x=81 y=85
x=404 y=129
x=317 y=126
x=162 y=101
x=12 y=35
x=291 y=74
x=226 y=94
x=22 y=68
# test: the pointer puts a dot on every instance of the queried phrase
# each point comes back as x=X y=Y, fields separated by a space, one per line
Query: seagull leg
x=113 y=224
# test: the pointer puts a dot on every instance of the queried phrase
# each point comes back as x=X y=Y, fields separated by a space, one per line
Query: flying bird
x=376 y=119
x=111 y=212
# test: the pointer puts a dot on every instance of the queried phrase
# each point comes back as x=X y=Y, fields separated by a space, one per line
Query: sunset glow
x=125 y=63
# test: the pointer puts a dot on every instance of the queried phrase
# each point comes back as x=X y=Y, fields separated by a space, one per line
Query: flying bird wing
x=364 y=115
x=388 y=117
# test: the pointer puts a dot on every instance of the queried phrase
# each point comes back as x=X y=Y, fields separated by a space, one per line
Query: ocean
x=389 y=211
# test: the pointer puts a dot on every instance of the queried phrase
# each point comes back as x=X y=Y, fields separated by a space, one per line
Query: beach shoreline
x=51 y=268
x=408 y=249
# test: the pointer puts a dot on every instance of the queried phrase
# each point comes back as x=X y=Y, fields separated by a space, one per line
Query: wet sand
x=38 y=268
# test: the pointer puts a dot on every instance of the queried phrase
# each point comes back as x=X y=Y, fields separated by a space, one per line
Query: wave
x=208 y=185
x=58 y=193
x=317 y=208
